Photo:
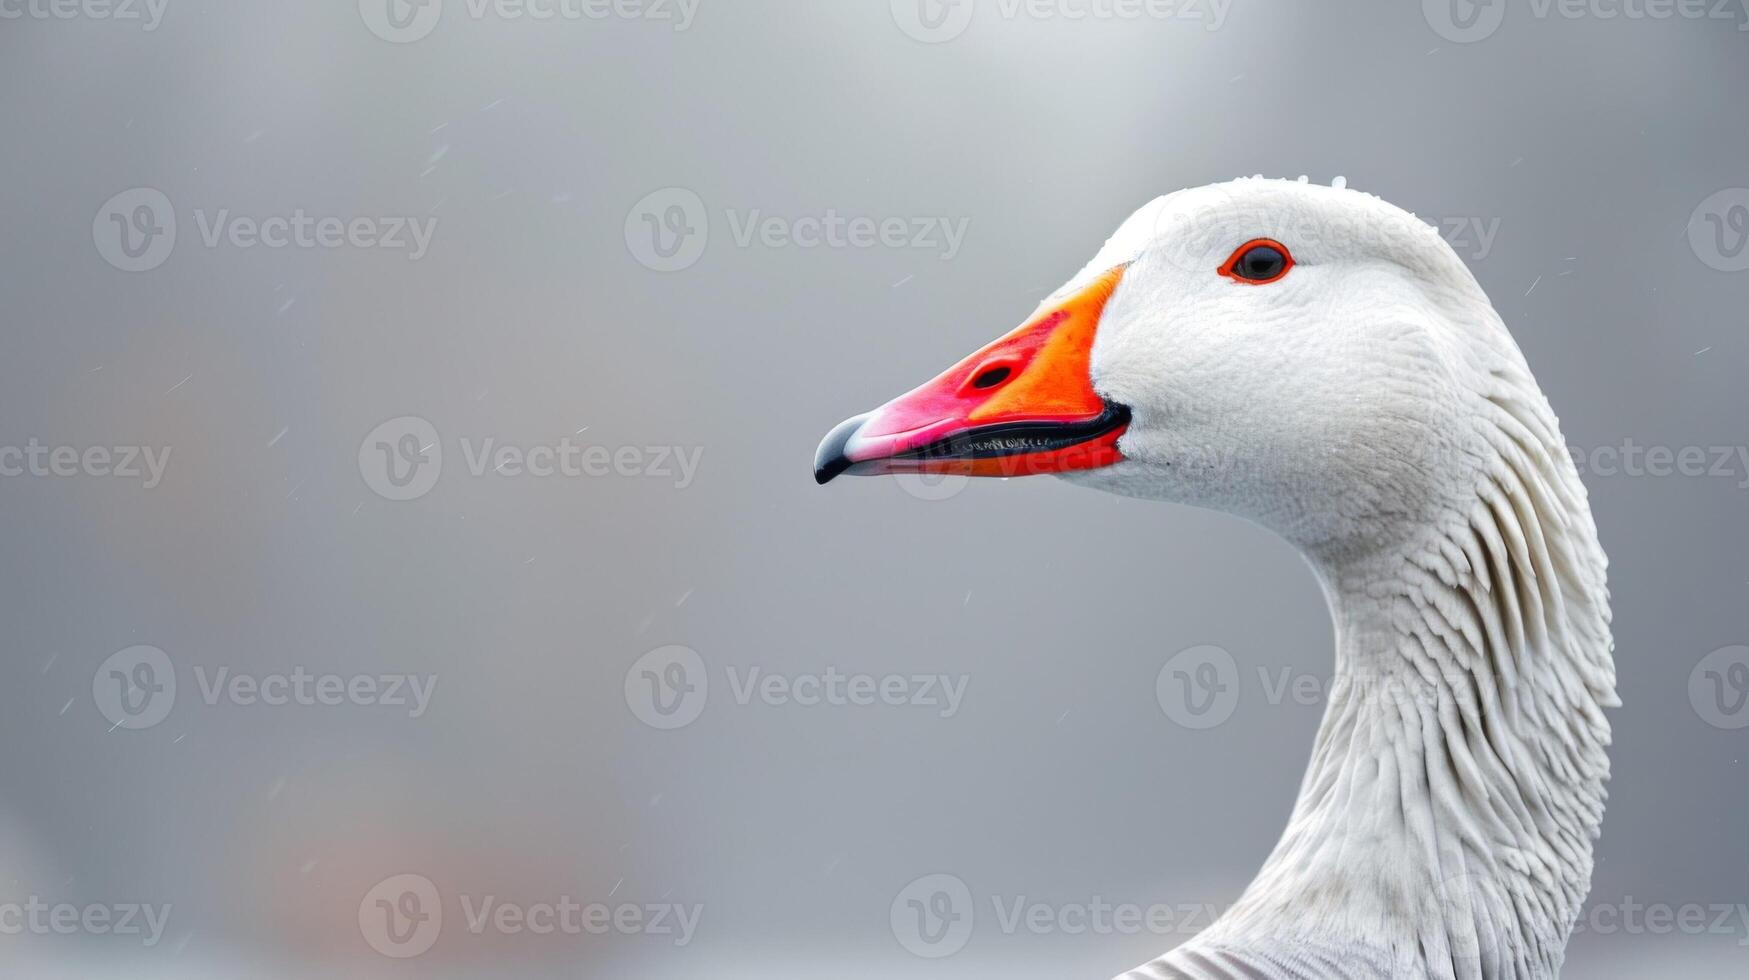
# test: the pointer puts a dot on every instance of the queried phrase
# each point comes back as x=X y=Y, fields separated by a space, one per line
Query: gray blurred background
x=1585 y=165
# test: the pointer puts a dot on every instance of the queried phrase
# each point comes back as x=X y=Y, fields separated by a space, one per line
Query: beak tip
x=831 y=459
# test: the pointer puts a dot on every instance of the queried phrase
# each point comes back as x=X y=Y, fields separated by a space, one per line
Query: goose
x=1321 y=362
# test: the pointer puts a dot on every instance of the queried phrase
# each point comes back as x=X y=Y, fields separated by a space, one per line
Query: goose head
x=1300 y=355
x=1322 y=363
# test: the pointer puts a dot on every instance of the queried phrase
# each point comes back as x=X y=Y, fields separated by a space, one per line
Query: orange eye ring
x=1258 y=262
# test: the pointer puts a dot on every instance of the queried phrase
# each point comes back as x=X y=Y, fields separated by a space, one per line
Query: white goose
x=1321 y=362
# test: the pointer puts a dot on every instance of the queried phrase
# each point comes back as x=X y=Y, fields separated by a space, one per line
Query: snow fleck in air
x=180 y=383
x=494 y=104
x=252 y=137
x=50 y=662
x=281 y=435
x=1533 y=286
x=307 y=867
x=69 y=704
x=615 y=888
x=286 y=306
x=904 y=281
x=1703 y=350
x=682 y=600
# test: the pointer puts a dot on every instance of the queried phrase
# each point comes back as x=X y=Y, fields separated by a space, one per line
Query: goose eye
x=1259 y=261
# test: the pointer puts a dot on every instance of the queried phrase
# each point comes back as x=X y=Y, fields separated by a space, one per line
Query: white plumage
x=1373 y=409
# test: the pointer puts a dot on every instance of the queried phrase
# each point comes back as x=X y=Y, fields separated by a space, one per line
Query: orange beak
x=1024 y=404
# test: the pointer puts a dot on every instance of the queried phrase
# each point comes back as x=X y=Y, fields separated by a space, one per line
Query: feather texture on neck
x=1444 y=827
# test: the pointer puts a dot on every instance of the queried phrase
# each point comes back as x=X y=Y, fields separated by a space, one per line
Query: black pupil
x=991 y=378
x=1261 y=262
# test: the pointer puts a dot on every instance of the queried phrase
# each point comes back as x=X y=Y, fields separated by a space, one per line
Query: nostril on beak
x=992 y=377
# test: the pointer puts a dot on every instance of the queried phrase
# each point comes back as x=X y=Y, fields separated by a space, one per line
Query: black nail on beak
x=830 y=459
